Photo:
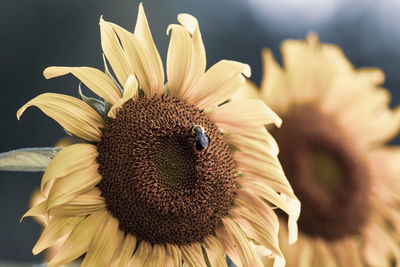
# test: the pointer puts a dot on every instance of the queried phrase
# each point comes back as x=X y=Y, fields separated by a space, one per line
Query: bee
x=202 y=141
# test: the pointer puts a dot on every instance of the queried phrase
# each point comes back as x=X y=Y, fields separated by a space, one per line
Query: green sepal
x=166 y=89
x=94 y=103
x=28 y=159
x=107 y=107
x=234 y=148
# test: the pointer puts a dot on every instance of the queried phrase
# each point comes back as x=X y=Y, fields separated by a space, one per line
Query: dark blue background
x=36 y=34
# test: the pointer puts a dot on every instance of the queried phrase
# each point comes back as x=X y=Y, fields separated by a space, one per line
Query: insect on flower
x=202 y=141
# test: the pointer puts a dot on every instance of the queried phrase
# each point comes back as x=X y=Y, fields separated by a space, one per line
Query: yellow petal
x=156 y=257
x=141 y=58
x=142 y=32
x=266 y=170
x=74 y=115
x=192 y=255
x=113 y=51
x=141 y=254
x=78 y=241
x=186 y=58
x=290 y=205
x=229 y=246
x=71 y=159
x=244 y=113
x=249 y=90
x=324 y=254
x=178 y=58
x=253 y=139
x=274 y=79
x=218 y=84
x=56 y=229
x=198 y=60
x=104 y=244
x=130 y=92
x=241 y=244
x=173 y=257
x=97 y=81
x=257 y=220
x=72 y=185
x=215 y=251
x=124 y=252
x=81 y=205
x=37 y=210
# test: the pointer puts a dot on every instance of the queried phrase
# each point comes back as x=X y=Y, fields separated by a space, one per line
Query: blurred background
x=41 y=33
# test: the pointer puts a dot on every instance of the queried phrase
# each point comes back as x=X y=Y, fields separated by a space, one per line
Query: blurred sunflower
x=336 y=121
x=156 y=179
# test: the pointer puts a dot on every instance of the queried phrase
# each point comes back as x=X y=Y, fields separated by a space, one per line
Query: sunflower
x=336 y=121
x=164 y=173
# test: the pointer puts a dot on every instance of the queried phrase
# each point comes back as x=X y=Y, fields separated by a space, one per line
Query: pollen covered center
x=155 y=181
x=327 y=173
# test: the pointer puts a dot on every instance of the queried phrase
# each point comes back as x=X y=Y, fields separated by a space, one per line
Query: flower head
x=336 y=121
x=164 y=173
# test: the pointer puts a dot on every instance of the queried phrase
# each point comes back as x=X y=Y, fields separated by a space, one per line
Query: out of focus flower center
x=155 y=181
x=327 y=172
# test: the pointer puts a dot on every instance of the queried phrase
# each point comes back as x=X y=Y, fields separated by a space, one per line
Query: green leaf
x=27 y=159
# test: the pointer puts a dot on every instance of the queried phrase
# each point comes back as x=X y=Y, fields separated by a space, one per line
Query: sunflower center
x=327 y=172
x=154 y=180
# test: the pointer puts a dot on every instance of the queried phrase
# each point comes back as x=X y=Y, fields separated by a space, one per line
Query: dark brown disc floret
x=327 y=172
x=154 y=180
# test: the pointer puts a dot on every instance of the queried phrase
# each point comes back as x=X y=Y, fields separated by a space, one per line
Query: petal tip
x=22 y=110
x=246 y=71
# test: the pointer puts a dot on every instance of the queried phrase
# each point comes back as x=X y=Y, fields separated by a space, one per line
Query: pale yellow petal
x=74 y=115
x=37 y=210
x=252 y=139
x=56 y=229
x=218 y=84
x=215 y=251
x=261 y=227
x=141 y=61
x=81 y=205
x=246 y=199
x=288 y=203
x=141 y=254
x=130 y=92
x=249 y=90
x=104 y=244
x=78 y=241
x=156 y=257
x=267 y=171
x=198 y=60
x=192 y=255
x=244 y=113
x=178 y=58
x=96 y=80
x=324 y=254
x=273 y=85
x=71 y=159
x=113 y=51
x=72 y=185
x=241 y=244
x=229 y=245
x=142 y=32
x=124 y=252
x=173 y=257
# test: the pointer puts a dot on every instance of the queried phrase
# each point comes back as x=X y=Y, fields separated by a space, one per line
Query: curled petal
x=74 y=115
x=97 y=81
x=244 y=113
x=113 y=51
x=218 y=84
